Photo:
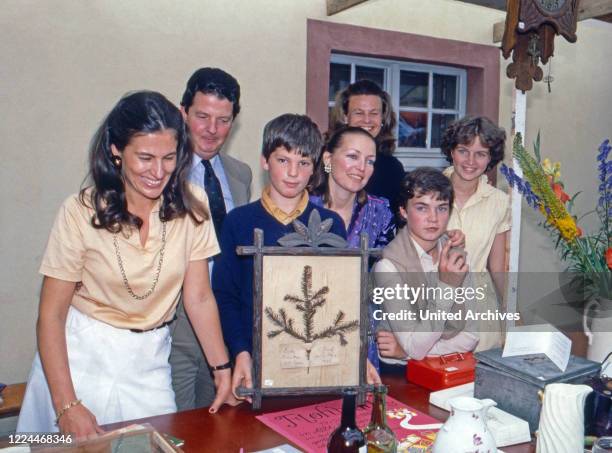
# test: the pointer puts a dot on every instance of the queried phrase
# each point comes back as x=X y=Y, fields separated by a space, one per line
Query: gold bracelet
x=63 y=410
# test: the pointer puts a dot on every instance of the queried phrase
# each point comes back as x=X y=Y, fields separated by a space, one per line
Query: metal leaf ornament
x=315 y=234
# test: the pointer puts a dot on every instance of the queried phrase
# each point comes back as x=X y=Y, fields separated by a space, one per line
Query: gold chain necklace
x=159 y=266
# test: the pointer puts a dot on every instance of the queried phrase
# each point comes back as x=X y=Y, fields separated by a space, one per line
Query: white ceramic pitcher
x=466 y=429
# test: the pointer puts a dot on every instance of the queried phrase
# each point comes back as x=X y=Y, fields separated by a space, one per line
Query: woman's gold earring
x=116 y=160
x=327 y=167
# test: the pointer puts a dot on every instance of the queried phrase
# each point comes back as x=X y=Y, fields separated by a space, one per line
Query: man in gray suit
x=209 y=105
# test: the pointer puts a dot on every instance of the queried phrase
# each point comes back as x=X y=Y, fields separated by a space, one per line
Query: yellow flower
x=566 y=226
x=551 y=170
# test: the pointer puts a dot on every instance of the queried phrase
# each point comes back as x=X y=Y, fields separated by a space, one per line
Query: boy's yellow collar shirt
x=278 y=213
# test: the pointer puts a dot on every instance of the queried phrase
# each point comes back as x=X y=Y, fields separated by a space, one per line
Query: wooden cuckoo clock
x=531 y=26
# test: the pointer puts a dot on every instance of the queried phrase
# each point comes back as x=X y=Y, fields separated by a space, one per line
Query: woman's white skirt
x=118 y=374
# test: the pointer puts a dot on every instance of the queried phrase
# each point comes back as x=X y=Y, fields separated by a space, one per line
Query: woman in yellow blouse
x=118 y=255
x=475 y=145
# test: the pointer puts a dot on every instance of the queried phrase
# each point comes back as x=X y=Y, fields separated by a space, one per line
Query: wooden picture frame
x=310 y=313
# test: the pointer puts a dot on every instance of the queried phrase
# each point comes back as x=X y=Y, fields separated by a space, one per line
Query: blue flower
x=507 y=172
x=604 y=150
x=530 y=197
x=523 y=187
x=605 y=169
x=603 y=153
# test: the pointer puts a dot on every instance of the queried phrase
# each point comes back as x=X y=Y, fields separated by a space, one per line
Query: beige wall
x=64 y=63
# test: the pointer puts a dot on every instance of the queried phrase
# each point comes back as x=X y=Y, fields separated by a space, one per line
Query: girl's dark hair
x=320 y=180
x=385 y=140
x=138 y=113
x=466 y=129
x=421 y=181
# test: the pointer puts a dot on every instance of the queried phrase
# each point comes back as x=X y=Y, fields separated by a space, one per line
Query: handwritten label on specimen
x=305 y=355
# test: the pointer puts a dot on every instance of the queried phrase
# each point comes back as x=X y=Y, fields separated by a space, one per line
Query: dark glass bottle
x=379 y=437
x=347 y=438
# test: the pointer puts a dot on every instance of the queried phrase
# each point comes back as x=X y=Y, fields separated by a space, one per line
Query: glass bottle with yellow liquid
x=379 y=437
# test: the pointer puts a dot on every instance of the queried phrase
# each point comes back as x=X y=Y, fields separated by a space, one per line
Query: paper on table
x=440 y=398
x=309 y=427
x=539 y=339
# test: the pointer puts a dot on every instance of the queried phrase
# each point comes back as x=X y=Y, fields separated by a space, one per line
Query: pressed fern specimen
x=308 y=304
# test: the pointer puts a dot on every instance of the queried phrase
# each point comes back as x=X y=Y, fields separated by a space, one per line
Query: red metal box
x=441 y=372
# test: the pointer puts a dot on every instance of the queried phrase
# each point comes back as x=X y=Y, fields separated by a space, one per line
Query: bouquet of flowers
x=589 y=256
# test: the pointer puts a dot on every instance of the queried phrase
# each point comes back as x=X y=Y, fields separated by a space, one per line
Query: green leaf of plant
x=536 y=148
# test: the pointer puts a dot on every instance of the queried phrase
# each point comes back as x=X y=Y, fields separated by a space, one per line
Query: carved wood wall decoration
x=561 y=14
x=530 y=30
x=510 y=30
x=335 y=6
x=524 y=67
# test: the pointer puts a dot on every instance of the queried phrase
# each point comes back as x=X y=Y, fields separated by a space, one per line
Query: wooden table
x=233 y=428
x=12 y=396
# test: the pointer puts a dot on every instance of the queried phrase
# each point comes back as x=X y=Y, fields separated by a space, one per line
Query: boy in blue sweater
x=291 y=146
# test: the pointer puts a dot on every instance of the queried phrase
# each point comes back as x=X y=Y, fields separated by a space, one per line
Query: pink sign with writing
x=309 y=427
